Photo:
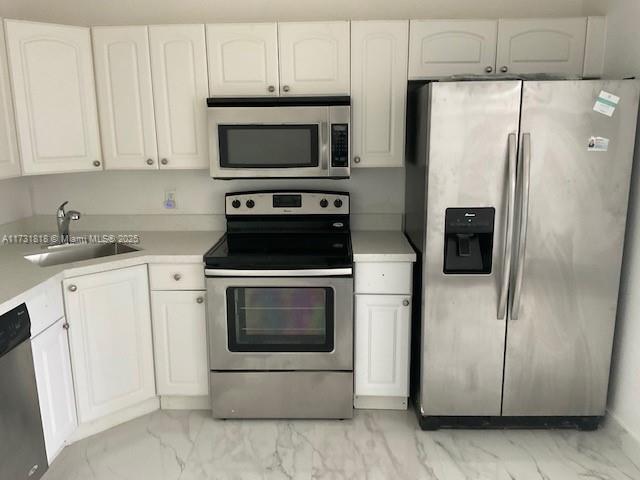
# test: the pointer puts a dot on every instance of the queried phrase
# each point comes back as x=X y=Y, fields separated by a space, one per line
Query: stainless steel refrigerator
x=516 y=200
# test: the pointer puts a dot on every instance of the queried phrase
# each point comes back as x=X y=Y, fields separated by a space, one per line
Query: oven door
x=274 y=142
x=280 y=323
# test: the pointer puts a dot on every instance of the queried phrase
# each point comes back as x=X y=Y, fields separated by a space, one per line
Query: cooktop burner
x=284 y=230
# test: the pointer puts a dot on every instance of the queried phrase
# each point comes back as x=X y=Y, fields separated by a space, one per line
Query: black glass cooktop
x=281 y=250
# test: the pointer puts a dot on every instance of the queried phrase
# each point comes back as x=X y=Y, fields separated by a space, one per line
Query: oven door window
x=280 y=319
x=268 y=146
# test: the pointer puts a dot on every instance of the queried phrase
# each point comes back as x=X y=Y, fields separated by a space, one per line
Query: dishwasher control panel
x=15 y=328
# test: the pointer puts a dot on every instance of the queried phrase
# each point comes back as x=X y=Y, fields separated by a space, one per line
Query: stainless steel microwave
x=284 y=137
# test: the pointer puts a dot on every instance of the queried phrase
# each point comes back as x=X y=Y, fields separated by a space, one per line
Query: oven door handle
x=318 y=272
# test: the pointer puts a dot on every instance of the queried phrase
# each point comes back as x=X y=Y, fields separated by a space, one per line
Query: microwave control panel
x=339 y=145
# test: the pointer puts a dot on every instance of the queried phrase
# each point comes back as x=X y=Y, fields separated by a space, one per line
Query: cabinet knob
x=271 y=88
x=164 y=161
x=149 y=161
x=96 y=163
x=65 y=325
x=177 y=277
x=286 y=88
x=356 y=159
x=73 y=288
x=200 y=299
x=405 y=302
x=504 y=69
x=489 y=69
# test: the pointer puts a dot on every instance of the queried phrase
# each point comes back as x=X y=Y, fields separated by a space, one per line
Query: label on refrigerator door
x=606 y=103
x=598 y=144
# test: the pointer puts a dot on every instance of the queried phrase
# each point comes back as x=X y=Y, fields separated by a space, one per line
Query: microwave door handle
x=324 y=147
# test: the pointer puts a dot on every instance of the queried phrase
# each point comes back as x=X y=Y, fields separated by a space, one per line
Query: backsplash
x=135 y=200
x=15 y=201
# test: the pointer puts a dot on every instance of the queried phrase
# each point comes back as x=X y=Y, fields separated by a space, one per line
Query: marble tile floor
x=190 y=445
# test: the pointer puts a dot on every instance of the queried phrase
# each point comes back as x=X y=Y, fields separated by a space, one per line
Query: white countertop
x=381 y=246
x=19 y=276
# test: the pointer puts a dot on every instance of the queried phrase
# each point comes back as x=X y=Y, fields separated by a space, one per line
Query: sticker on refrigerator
x=606 y=103
x=598 y=144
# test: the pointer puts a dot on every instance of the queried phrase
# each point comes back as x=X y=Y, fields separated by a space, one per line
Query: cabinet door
x=180 y=91
x=111 y=344
x=243 y=59
x=314 y=58
x=452 y=47
x=550 y=45
x=9 y=158
x=125 y=98
x=379 y=92
x=52 y=365
x=382 y=345
x=180 y=342
x=55 y=101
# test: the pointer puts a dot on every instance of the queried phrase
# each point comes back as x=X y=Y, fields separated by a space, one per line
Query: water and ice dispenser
x=468 y=240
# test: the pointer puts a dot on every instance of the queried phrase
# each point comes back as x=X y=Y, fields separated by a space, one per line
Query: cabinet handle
x=200 y=299
x=489 y=69
x=504 y=69
x=177 y=277
x=164 y=161
x=149 y=161
x=286 y=88
x=405 y=302
x=96 y=163
x=73 y=288
x=271 y=88
x=65 y=325
x=356 y=159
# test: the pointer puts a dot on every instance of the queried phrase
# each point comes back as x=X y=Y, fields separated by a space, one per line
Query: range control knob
x=251 y=204
x=324 y=203
x=337 y=203
x=236 y=204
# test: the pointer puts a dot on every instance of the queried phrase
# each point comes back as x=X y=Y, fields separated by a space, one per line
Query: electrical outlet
x=170 y=199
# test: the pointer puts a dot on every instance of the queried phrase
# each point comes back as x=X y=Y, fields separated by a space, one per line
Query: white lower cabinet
x=383 y=324
x=52 y=365
x=180 y=342
x=111 y=340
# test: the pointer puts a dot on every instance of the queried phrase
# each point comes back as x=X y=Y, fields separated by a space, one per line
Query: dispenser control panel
x=468 y=242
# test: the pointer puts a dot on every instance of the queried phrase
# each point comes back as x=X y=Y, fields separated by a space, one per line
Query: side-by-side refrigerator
x=517 y=197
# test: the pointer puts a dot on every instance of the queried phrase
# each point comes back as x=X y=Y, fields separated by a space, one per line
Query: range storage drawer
x=185 y=276
x=389 y=278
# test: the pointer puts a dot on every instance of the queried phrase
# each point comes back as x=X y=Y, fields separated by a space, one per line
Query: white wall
x=373 y=191
x=15 y=201
x=623 y=59
x=113 y=12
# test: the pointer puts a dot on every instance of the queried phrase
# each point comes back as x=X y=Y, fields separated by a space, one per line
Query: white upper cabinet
x=125 y=97
x=243 y=59
x=111 y=341
x=550 y=45
x=53 y=85
x=9 y=157
x=451 y=47
x=180 y=342
x=595 y=47
x=314 y=58
x=52 y=365
x=180 y=91
x=379 y=92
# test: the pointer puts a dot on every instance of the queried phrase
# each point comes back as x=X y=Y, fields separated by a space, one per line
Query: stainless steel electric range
x=280 y=307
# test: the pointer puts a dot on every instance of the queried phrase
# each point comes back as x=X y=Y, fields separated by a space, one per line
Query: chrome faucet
x=64 y=218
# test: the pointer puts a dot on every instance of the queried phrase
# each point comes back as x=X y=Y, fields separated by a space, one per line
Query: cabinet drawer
x=384 y=277
x=45 y=306
x=177 y=277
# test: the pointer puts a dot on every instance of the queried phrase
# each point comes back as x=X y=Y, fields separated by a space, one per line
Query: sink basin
x=59 y=254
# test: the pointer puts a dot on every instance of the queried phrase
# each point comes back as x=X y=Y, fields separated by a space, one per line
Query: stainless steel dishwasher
x=22 y=450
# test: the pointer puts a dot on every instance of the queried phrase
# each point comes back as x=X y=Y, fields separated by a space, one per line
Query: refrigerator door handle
x=511 y=207
x=524 y=215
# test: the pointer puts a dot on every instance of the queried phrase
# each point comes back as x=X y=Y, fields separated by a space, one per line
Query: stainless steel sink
x=59 y=254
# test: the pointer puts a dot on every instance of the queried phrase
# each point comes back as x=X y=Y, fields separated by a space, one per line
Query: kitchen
x=301 y=300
